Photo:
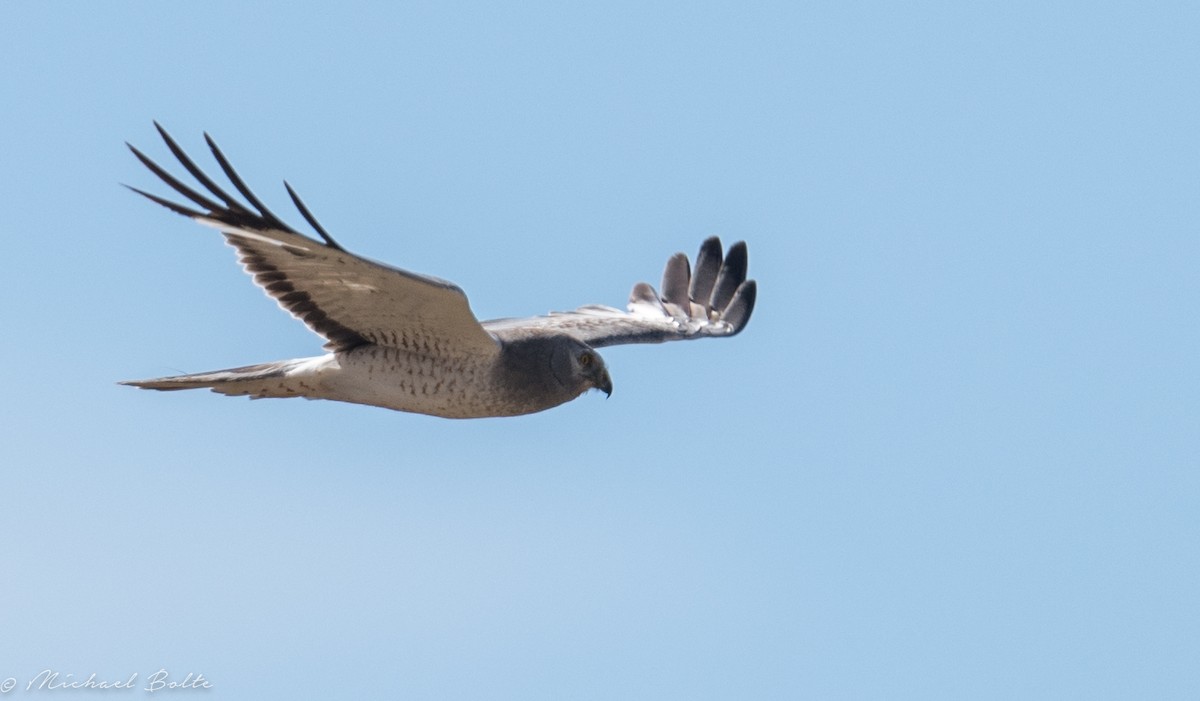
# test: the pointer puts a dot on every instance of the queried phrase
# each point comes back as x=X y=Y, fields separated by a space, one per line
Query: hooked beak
x=603 y=382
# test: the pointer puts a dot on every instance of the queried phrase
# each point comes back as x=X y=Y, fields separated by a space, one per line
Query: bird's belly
x=452 y=387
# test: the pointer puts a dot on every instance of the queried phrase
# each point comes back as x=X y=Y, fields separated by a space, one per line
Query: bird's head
x=577 y=364
x=593 y=369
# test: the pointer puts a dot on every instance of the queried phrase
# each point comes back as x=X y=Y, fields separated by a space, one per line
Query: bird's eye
x=585 y=359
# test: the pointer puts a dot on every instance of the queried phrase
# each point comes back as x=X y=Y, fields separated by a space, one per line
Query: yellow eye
x=585 y=359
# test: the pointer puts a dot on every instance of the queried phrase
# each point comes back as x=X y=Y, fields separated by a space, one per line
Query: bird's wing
x=714 y=300
x=347 y=299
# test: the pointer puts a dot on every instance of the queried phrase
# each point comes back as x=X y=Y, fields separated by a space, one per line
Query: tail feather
x=275 y=379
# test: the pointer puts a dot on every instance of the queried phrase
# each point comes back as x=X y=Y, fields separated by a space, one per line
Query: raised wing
x=714 y=301
x=347 y=299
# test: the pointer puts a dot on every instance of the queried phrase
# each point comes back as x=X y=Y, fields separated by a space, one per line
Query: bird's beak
x=604 y=382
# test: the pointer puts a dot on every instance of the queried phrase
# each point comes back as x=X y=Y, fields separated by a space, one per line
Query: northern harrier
x=410 y=342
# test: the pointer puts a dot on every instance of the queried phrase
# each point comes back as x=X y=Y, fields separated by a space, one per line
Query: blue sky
x=954 y=455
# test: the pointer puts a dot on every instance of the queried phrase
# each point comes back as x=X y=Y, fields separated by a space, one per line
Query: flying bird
x=410 y=342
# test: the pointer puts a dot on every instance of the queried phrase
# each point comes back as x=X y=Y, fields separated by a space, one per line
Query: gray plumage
x=410 y=342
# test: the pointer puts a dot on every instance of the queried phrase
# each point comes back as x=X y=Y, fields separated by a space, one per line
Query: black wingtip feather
x=238 y=183
x=312 y=221
x=230 y=202
x=737 y=314
x=675 y=281
x=733 y=273
x=232 y=211
x=704 y=277
x=177 y=208
x=174 y=183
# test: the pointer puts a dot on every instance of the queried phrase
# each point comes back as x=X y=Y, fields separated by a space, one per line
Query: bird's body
x=452 y=386
x=409 y=342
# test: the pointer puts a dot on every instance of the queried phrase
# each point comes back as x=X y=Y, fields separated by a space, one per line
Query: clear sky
x=956 y=454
